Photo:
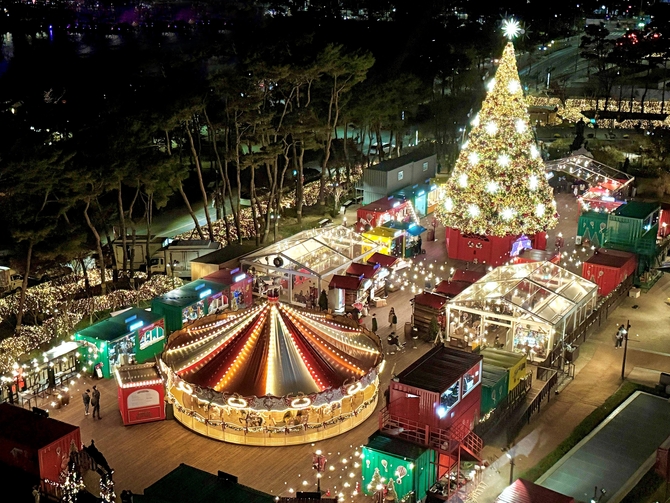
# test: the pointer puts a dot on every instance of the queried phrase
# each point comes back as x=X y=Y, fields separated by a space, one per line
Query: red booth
x=524 y=491
x=450 y=289
x=469 y=276
x=381 y=211
x=141 y=393
x=608 y=268
x=490 y=250
x=36 y=444
x=239 y=282
x=440 y=390
x=367 y=271
x=384 y=260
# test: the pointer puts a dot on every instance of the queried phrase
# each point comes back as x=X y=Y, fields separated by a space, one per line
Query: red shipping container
x=379 y=212
x=238 y=281
x=664 y=221
x=35 y=444
x=418 y=393
x=141 y=393
x=490 y=250
x=608 y=268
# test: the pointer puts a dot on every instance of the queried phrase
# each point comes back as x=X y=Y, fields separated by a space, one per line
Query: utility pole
x=625 y=348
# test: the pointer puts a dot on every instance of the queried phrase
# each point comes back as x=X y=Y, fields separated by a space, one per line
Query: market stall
x=490 y=250
x=591 y=228
x=531 y=255
x=391 y=241
x=526 y=307
x=301 y=266
x=34 y=443
x=238 y=293
x=427 y=306
x=609 y=268
x=141 y=393
x=189 y=302
x=131 y=336
x=345 y=291
x=374 y=272
x=272 y=375
x=381 y=211
x=411 y=466
x=423 y=197
x=513 y=363
x=412 y=241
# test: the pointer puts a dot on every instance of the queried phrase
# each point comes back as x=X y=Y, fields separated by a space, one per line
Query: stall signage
x=143 y=398
x=151 y=336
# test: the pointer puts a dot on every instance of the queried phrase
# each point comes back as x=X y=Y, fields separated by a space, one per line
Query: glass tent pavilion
x=527 y=307
x=302 y=265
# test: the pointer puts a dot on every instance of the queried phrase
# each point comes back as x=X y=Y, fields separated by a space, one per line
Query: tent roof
x=186 y=484
x=469 y=276
x=430 y=300
x=345 y=282
x=590 y=170
x=320 y=251
x=524 y=491
x=539 y=291
x=365 y=270
x=438 y=369
x=117 y=326
x=270 y=350
x=24 y=427
x=610 y=258
x=451 y=288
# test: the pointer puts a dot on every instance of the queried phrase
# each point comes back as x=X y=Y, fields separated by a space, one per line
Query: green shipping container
x=411 y=466
x=630 y=221
x=592 y=227
x=134 y=334
x=494 y=387
x=514 y=363
x=188 y=303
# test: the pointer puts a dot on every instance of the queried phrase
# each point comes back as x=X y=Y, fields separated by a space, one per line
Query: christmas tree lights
x=499 y=186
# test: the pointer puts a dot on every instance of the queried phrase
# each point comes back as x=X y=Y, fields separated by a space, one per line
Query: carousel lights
x=237 y=402
x=302 y=402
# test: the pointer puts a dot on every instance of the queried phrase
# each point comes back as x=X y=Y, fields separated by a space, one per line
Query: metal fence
x=514 y=429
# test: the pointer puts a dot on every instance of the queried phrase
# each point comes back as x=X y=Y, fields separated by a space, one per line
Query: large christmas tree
x=498 y=186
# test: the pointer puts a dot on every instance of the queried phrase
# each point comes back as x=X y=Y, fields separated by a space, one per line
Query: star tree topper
x=499 y=185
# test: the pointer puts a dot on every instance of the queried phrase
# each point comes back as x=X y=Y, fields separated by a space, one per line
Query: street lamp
x=511 y=466
x=318 y=464
x=625 y=348
x=596 y=498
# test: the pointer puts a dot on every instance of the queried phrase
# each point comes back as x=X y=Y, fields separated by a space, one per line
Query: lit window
x=425 y=166
x=401 y=174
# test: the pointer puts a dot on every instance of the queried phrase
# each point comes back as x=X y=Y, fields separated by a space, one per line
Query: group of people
x=393 y=338
x=91 y=400
x=620 y=334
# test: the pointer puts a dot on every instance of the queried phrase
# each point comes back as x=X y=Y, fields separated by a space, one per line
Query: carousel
x=272 y=375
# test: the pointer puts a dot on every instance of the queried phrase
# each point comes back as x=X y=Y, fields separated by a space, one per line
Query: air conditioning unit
x=578 y=240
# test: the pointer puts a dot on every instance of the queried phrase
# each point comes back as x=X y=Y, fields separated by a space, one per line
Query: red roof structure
x=610 y=258
x=524 y=491
x=451 y=288
x=430 y=300
x=383 y=260
x=366 y=270
x=345 y=282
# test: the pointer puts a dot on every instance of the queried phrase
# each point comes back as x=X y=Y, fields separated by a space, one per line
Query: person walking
x=619 y=337
x=391 y=315
x=95 y=401
x=86 y=398
x=374 y=323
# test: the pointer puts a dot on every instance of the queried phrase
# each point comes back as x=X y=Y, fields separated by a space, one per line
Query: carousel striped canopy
x=271 y=350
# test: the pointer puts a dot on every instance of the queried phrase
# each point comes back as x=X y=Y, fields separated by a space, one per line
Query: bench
x=325 y=221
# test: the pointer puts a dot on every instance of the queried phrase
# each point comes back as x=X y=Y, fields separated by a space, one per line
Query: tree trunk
x=191 y=212
x=84 y=271
x=252 y=195
x=198 y=170
x=98 y=245
x=24 y=287
x=168 y=142
x=122 y=224
x=329 y=138
x=299 y=198
x=239 y=182
x=223 y=177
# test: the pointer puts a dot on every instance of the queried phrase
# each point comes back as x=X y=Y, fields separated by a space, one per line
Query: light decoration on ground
x=503 y=151
x=279 y=370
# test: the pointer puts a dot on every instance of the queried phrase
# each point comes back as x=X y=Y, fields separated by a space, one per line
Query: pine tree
x=498 y=186
x=376 y=483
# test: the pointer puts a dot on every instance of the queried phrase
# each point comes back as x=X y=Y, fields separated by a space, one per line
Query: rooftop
x=24 y=427
x=524 y=491
x=398 y=162
x=438 y=369
x=122 y=324
x=610 y=258
x=190 y=293
x=402 y=448
x=637 y=209
x=226 y=254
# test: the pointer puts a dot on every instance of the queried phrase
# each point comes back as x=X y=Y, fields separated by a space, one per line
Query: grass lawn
x=584 y=428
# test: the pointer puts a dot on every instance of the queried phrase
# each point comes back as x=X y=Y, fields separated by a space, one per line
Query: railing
x=513 y=430
x=594 y=320
x=423 y=434
x=507 y=406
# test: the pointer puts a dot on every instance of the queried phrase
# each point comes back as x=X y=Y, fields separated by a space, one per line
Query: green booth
x=514 y=363
x=411 y=466
x=494 y=389
x=132 y=336
x=411 y=233
x=592 y=227
x=189 y=302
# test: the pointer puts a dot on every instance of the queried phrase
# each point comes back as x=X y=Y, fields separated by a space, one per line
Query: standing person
x=391 y=315
x=394 y=323
x=619 y=337
x=374 y=323
x=37 y=495
x=86 y=398
x=95 y=401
